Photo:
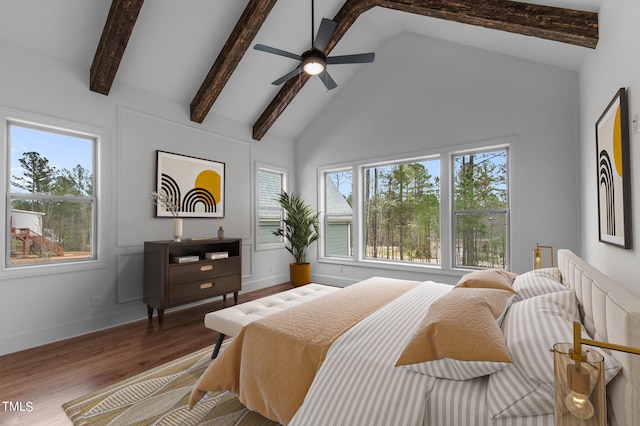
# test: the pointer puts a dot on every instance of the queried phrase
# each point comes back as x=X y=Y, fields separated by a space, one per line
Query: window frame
x=445 y=154
x=39 y=122
x=322 y=242
x=284 y=173
x=506 y=211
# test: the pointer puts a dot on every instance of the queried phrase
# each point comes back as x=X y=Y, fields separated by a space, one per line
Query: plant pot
x=299 y=274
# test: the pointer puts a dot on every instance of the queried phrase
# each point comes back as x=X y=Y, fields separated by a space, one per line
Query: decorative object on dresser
x=300 y=228
x=176 y=273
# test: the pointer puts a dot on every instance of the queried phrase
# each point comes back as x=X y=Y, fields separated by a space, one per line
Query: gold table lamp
x=538 y=257
x=580 y=392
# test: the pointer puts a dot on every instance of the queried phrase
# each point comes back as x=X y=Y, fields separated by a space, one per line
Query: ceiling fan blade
x=287 y=76
x=279 y=52
x=324 y=34
x=361 y=58
x=329 y=82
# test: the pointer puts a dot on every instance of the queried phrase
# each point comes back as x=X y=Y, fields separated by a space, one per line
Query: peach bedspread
x=271 y=363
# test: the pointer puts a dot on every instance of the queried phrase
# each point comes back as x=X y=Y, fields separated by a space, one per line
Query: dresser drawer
x=197 y=271
x=203 y=289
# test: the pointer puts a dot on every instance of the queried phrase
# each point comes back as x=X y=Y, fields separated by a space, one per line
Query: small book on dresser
x=217 y=255
x=186 y=259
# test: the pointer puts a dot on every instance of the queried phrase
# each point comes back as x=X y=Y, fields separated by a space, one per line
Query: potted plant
x=300 y=230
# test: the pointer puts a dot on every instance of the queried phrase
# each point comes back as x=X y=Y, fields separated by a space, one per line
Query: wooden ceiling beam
x=570 y=26
x=113 y=42
x=558 y=24
x=252 y=18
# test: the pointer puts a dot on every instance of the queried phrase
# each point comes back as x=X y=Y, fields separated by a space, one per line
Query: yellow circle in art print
x=617 y=142
x=209 y=180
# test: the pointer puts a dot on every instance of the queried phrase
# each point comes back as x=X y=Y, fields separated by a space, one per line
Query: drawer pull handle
x=206 y=268
x=204 y=286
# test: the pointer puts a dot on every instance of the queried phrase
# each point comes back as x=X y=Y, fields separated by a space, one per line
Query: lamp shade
x=579 y=387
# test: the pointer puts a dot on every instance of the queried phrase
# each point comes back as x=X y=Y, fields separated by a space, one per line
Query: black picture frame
x=614 y=173
x=196 y=185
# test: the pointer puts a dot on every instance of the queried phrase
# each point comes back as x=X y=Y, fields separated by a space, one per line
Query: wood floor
x=50 y=375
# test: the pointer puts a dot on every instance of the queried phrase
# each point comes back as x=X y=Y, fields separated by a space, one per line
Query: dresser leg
x=224 y=298
x=160 y=315
x=235 y=297
x=149 y=312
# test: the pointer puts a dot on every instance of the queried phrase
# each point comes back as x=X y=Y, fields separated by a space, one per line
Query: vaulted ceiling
x=200 y=52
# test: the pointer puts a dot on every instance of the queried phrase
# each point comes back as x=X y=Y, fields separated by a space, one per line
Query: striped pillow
x=531 y=328
x=459 y=337
x=537 y=282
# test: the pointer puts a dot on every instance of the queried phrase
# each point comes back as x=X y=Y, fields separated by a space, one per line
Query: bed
x=358 y=356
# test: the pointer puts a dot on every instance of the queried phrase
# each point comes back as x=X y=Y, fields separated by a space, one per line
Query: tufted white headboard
x=610 y=313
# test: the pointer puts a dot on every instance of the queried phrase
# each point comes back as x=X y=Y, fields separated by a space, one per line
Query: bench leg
x=217 y=348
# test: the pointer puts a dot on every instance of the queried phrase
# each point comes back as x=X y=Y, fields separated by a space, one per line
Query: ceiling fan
x=314 y=61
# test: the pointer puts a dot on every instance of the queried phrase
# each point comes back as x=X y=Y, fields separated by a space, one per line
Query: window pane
x=49 y=231
x=480 y=209
x=402 y=212
x=480 y=180
x=270 y=185
x=481 y=240
x=338 y=214
x=44 y=162
x=51 y=192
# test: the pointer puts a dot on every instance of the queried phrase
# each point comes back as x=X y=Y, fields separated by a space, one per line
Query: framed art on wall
x=195 y=185
x=613 y=172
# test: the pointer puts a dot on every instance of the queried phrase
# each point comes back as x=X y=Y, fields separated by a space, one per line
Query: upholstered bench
x=229 y=321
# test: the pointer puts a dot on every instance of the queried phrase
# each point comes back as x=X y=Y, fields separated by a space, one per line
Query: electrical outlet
x=95 y=302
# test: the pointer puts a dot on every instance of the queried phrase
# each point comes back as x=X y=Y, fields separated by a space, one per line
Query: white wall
x=43 y=306
x=615 y=63
x=422 y=93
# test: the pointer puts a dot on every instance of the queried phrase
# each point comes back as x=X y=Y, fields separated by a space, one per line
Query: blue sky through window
x=63 y=151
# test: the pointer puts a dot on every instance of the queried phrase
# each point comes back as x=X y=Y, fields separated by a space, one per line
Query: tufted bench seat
x=229 y=321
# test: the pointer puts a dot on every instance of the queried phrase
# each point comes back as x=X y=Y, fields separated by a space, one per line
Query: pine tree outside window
x=402 y=212
x=480 y=209
x=52 y=200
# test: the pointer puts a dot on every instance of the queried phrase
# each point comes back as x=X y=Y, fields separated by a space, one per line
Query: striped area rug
x=160 y=397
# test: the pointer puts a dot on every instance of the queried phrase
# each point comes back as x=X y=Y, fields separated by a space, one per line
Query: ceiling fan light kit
x=314 y=61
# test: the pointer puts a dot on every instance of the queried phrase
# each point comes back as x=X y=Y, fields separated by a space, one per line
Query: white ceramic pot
x=177 y=229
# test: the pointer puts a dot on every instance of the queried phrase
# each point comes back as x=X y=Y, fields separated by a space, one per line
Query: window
x=480 y=209
x=338 y=217
x=442 y=209
x=52 y=200
x=271 y=182
x=402 y=211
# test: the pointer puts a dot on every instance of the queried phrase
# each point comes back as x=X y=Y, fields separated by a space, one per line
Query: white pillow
x=531 y=328
x=537 y=282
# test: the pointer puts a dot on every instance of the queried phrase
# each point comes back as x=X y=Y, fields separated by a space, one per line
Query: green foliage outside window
x=480 y=209
x=51 y=208
x=402 y=212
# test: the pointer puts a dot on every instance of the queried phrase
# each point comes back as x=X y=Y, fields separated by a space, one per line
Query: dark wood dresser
x=169 y=283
